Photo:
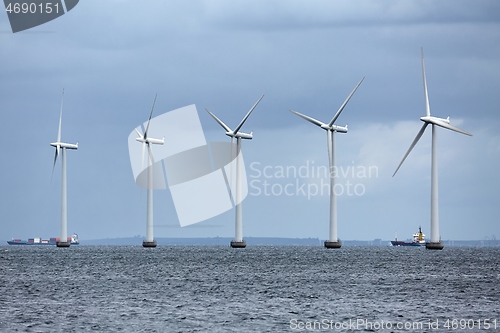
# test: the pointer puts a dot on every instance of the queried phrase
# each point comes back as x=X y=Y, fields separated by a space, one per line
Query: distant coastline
x=270 y=241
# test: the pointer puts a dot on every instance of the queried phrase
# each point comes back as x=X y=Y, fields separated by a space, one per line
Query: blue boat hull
x=399 y=243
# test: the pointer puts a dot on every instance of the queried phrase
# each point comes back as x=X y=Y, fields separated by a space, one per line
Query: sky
x=112 y=57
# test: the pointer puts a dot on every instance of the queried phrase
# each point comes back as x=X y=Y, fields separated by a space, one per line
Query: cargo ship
x=38 y=241
x=418 y=240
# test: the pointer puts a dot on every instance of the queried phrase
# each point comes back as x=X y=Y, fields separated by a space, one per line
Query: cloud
x=275 y=15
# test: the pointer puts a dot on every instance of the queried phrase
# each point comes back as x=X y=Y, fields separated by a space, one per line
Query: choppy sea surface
x=257 y=289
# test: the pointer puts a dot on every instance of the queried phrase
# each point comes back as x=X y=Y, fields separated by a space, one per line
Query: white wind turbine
x=61 y=148
x=147 y=141
x=238 y=241
x=435 y=243
x=333 y=242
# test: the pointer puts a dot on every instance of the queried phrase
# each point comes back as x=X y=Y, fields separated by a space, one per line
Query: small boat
x=38 y=241
x=418 y=240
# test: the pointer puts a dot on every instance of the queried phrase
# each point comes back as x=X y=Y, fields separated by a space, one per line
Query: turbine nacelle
x=435 y=120
x=64 y=145
x=341 y=129
x=334 y=128
x=242 y=135
x=151 y=141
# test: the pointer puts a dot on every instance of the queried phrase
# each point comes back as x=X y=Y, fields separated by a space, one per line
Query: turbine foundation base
x=238 y=245
x=149 y=244
x=434 y=246
x=333 y=245
x=63 y=244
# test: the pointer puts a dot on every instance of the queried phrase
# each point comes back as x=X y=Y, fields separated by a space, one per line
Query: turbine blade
x=138 y=133
x=231 y=167
x=60 y=118
x=54 y=165
x=344 y=104
x=143 y=149
x=149 y=120
x=247 y=115
x=419 y=135
x=150 y=156
x=426 y=95
x=224 y=126
x=309 y=119
x=450 y=127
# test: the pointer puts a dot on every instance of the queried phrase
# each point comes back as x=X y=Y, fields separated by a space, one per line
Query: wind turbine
x=147 y=141
x=435 y=243
x=61 y=148
x=333 y=242
x=238 y=241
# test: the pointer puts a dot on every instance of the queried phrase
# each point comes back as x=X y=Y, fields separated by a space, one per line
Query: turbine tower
x=238 y=241
x=333 y=241
x=147 y=141
x=435 y=243
x=61 y=148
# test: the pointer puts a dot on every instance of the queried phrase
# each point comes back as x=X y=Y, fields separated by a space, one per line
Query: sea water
x=257 y=289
